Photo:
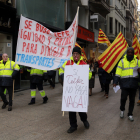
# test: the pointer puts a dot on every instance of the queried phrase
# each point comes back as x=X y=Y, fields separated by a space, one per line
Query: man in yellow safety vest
x=36 y=79
x=8 y=72
x=127 y=76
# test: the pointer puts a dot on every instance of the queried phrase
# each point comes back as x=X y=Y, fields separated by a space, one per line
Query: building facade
x=116 y=19
x=130 y=21
x=85 y=36
x=98 y=10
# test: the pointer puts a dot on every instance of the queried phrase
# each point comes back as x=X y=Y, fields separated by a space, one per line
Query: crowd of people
x=125 y=74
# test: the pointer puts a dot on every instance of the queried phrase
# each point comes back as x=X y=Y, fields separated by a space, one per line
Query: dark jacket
x=125 y=77
x=105 y=77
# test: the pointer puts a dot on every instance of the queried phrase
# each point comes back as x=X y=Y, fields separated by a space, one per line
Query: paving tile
x=45 y=121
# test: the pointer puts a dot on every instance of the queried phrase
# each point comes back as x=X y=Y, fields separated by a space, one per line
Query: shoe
x=4 y=105
x=122 y=114
x=71 y=129
x=131 y=118
x=45 y=99
x=32 y=101
x=10 y=108
x=86 y=124
x=106 y=95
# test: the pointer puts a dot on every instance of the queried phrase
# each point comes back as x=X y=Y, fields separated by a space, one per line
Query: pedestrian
x=76 y=58
x=100 y=70
x=138 y=103
x=51 y=78
x=105 y=80
x=8 y=72
x=92 y=80
x=36 y=79
x=0 y=62
x=127 y=76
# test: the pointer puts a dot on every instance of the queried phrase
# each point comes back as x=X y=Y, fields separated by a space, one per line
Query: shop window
x=122 y=29
x=124 y=32
x=116 y=24
x=47 y=11
x=119 y=27
x=111 y=25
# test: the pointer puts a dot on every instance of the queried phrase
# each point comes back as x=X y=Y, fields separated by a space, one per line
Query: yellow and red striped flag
x=113 y=53
x=83 y=54
x=136 y=47
x=102 y=38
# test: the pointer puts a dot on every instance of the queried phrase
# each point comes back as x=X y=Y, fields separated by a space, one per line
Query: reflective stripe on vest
x=36 y=74
x=127 y=69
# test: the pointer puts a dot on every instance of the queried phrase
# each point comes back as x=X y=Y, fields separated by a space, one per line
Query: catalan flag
x=113 y=53
x=82 y=51
x=102 y=38
x=136 y=47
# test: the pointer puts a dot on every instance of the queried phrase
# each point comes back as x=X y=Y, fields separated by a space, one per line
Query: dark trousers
x=39 y=86
x=60 y=80
x=100 y=80
x=53 y=78
x=106 y=88
x=10 y=92
x=73 y=119
x=124 y=94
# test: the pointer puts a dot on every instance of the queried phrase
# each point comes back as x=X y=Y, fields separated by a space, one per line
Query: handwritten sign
x=75 y=89
x=40 y=48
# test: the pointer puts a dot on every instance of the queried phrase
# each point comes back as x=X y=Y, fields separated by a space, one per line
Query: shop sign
x=85 y=34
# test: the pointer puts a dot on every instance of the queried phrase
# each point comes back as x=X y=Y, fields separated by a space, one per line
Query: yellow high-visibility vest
x=125 y=68
x=7 y=69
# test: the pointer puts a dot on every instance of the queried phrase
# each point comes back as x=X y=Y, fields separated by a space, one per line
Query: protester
x=76 y=58
x=92 y=80
x=127 y=76
x=36 y=79
x=51 y=78
x=0 y=74
x=138 y=103
x=99 y=64
x=106 y=79
x=8 y=72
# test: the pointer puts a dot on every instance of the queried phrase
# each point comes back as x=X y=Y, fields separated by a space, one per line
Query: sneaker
x=122 y=114
x=86 y=124
x=71 y=129
x=131 y=118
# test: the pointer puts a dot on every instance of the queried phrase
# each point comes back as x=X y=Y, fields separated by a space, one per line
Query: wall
x=116 y=16
x=3 y=45
x=71 y=12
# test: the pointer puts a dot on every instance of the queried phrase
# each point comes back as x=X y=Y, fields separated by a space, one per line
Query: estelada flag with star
x=136 y=47
x=102 y=38
x=83 y=54
x=110 y=57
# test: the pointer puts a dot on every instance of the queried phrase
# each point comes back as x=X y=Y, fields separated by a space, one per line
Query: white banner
x=76 y=88
x=40 y=48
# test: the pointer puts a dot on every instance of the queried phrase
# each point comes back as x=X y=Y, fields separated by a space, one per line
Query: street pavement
x=45 y=121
